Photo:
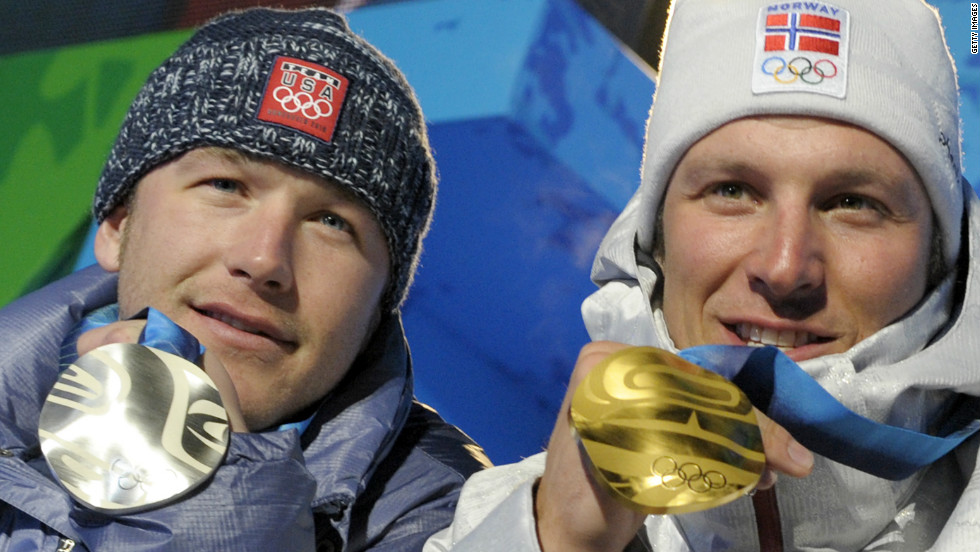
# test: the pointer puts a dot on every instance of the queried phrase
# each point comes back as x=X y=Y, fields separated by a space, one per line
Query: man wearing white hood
x=801 y=188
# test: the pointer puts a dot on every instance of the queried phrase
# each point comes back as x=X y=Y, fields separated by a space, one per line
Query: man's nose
x=787 y=262
x=261 y=250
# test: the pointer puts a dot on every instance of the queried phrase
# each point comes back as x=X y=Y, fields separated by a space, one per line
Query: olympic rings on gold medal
x=799 y=68
x=666 y=436
x=690 y=474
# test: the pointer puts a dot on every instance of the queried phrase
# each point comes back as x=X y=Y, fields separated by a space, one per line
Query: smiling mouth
x=757 y=336
x=237 y=324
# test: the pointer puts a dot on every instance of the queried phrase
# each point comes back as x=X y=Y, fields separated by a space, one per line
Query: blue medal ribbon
x=160 y=333
x=779 y=387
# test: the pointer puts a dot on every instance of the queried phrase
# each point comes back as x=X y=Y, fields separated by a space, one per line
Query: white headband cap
x=882 y=66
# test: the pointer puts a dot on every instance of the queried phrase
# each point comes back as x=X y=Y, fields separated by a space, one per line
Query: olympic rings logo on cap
x=799 y=68
x=302 y=102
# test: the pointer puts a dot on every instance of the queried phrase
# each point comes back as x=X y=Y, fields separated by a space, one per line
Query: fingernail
x=768 y=480
x=800 y=455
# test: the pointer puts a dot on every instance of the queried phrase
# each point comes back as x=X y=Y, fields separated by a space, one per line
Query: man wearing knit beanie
x=260 y=217
x=801 y=218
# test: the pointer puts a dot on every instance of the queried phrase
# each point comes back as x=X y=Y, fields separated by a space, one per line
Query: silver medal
x=128 y=428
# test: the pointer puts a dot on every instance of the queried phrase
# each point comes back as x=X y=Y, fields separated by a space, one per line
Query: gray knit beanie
x=882 y=66
x=297 y=87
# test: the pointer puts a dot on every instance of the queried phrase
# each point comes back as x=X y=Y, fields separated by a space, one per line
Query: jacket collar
x=359 y=421
x=41 y=320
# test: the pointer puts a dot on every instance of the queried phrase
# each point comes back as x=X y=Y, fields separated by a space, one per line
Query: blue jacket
x=375 y=470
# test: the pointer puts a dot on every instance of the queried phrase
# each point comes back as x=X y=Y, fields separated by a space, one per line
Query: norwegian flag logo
x=802 y=32
x=802 y=46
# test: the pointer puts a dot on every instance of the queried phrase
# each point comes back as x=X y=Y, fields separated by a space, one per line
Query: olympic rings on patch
x=799 y=68
x=302 y=101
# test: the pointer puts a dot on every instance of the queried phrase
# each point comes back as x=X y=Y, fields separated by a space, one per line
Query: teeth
x=802 y=338
x=233 y=322
x=788 y=338
x=756 y=336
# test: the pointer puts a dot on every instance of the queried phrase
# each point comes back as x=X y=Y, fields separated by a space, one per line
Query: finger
x=572 y=511
x=767 y=480
x=588 y=357
x=215 y=369
x=783 y=453
x=126 y=331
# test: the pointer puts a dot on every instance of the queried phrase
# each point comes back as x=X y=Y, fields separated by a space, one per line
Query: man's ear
x=108 y=239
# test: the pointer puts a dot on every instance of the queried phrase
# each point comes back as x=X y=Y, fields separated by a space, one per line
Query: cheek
x=700 y=251
x=137 y=269
x=348 y=284
x=156 y=255
x=696 y=264
x=884 y=281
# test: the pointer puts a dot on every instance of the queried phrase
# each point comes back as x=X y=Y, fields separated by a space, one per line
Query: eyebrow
x=854 y=176
x=844 y=176
x=902 y=190
x=735 y=167
x=239 y=159
x=221 y=154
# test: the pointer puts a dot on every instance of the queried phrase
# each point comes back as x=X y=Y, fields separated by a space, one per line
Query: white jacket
x=905 y=375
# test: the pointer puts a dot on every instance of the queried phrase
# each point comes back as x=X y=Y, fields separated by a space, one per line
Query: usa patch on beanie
x=303 y=96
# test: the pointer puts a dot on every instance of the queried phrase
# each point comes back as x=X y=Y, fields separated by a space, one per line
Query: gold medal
x=666 y=436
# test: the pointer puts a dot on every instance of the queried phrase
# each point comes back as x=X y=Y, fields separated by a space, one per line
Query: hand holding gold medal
x=665 y=436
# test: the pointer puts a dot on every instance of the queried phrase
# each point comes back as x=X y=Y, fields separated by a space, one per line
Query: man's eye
x=224 y=185
x=730 y=190
x=853 y=203
x=334 y=221
x=857 y=208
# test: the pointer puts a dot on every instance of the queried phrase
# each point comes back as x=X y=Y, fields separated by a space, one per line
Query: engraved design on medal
x=666 y=436
x=128 y=427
